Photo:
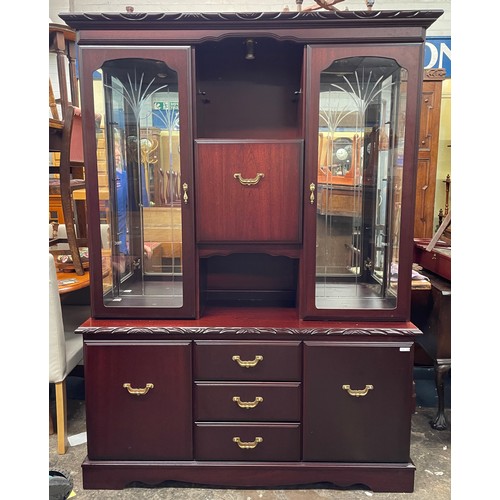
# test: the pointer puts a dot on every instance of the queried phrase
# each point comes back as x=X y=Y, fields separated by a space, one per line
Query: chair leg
x=51 y=424
x=66 y=194
x=61 y=417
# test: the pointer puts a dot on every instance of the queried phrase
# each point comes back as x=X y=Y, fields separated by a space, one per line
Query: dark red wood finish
x=281 y=401
x=431 y=311
x=153 y=426
x=157 y=437
x=115 y=475
x=436 y=261
x=178 y=59
x=333 y=351
x=213 y=360
x=339 y=427
x=266 y=442
x=242 y=98
x=269 y=211
x=319 y=57
x=230 y=323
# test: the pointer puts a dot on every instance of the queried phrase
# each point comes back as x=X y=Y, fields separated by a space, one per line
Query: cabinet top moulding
x=401 y=25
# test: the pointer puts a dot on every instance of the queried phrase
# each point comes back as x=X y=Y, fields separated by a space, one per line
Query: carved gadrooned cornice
x=194 y=20
x=225 y=332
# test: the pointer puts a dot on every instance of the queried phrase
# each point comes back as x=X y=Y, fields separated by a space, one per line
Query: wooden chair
x=62 y=42
x=71 y=149
x=65 y=137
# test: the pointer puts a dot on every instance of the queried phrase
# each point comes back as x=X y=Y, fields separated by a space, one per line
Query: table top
x=69 y=282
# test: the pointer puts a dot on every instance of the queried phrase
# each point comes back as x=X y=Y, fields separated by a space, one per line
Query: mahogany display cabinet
x=251 y=191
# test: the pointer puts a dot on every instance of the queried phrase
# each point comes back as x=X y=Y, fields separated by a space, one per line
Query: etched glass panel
x=361 y=142
x=140 y=192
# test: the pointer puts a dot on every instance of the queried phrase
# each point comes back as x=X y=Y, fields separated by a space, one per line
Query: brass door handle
x=185 y=195
x=312 y=188
x=357 y=392
x=248 y=182
x=248 y=404
x=247 y=445
x=138 y=391
x=248 y=364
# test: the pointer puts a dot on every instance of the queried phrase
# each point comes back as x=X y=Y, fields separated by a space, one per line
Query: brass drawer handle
x=248 y=182
x=138 y=391
x=247 y=445
x=247 y=404
x=357 y=392
x=248 y=364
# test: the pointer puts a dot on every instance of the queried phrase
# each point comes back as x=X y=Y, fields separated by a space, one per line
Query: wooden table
x=431 y=312
x=70 y=282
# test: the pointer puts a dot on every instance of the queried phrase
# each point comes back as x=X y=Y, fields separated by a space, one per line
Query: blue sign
x=438 y=53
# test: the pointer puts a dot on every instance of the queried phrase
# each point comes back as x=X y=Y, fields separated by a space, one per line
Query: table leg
x=441 y=368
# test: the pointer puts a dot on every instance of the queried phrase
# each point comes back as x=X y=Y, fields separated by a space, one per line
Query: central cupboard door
x=248 y=191
x=357 y=402
x=138 y=398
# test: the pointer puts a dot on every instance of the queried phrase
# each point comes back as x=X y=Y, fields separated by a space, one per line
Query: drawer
x=248 y=191
x=246 y=401
x=252 y=361
x=247 y=442
x=437 y=261
x=139 y=400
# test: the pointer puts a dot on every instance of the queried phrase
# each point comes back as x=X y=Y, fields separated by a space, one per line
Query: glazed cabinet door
x=138 y=140
x=138 y=400
x=362 y=106
x=357 y=402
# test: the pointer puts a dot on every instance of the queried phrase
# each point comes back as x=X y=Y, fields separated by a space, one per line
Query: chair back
x=57 y=342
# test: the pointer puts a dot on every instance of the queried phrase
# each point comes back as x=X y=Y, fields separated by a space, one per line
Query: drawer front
x=248 y=192
x=438 y=262
x=252 y=361
x=139 y=421
x=357 y=402
x=247 y=442
x=272 y=402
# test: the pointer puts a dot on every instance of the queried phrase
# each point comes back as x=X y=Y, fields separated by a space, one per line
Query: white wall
x=441 y=27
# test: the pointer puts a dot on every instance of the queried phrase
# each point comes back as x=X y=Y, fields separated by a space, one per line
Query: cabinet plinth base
x=386 y=477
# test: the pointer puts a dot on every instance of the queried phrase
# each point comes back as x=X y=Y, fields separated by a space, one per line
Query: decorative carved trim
x=435 y=74
x=246 y=331
x=194 y=20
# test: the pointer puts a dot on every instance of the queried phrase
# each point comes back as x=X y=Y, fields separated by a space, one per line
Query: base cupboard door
x=138 y=400
x=357 y=401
